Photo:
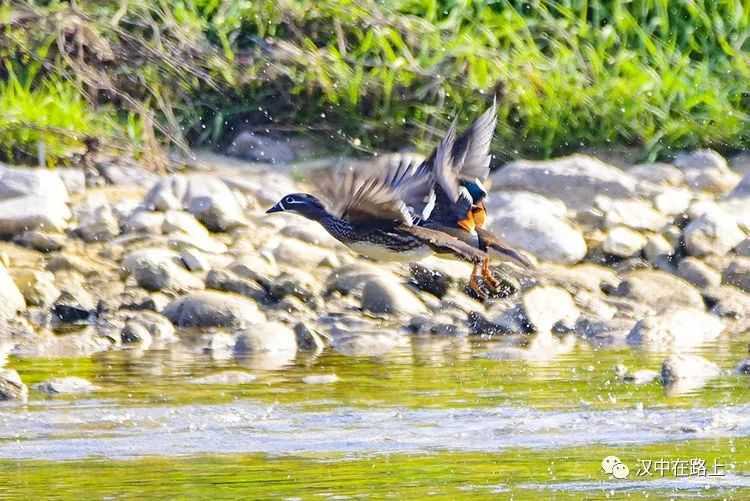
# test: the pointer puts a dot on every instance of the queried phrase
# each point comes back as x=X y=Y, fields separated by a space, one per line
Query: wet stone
x=225 y=378
x=432 y=281
x=11 y=386
x=65 y=385
x=40 y=241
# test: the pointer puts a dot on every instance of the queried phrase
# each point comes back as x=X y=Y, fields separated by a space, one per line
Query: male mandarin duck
x=456 y=205
x=368 y=212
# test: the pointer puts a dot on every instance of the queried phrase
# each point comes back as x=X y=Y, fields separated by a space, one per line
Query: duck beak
x=276 y=208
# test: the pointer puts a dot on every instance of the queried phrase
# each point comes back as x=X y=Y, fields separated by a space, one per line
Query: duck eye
x=289 y=200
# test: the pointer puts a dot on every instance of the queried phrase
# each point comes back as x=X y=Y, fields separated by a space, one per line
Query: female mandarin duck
x=368 y=211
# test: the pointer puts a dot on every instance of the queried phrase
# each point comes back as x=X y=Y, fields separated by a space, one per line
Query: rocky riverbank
x=653 y=256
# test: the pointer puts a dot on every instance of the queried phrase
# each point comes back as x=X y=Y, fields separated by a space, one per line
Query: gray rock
x=295 y=252
x=129 y=175
x=658 y=173
x=144 y=221
x=213 y=309
x=313 y=234
x=575 y=180
x=706 y=170
x=255 y=147
x=367 y=344
x=38 y=287
x=537 y=225
x=738 y=273
x=541 y=348
x=96 y=221
x=270 y=336
x=31 y=199
x=673 y=201
x=158 y=326
x=65 y=385
x=226 y=378
x=546 y=306
x=603 y=332
x=385 y=294
x=157 y=269
x=742 y=190
x=73 y=179
x=657 y=248
x=653 y=287
x=11 y=299
x=207 y=197
x=72 y=262
x=636 y=214
x=40 y=241
x=32 y=212
x=732 y=305
x=195 y=260
x=639 y=377
x=684 y=373
x=227 y=281
x=135 y=333
x=698 y=273
x=185 y=222
x=320 y=379
x=714 y=232
x=676 y=328
x=623 y=242
x=11 y=386
x=309 y=339
x=79 y=343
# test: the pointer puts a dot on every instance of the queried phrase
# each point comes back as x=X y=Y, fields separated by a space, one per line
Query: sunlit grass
x=652 y=74
x=46 y=122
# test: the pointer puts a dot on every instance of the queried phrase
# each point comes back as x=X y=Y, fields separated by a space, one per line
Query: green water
x=99 y=445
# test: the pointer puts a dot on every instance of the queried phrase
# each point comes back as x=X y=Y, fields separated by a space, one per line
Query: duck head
x=300 y=203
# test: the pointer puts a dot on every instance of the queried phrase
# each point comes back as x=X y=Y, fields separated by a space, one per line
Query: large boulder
x=623 y=242
x=386 y=294
x=208 y=198
x=636 y=214
x=213 y=309
x=676 y=328
x=544 y=307
x=270 y=336
x=576 y=180
x=31 y=199
x=714 y=232
x=96 y=220
x=658 y=288
x=684 y=373
x=706 y=170
x=537 y=225
x=157 y=269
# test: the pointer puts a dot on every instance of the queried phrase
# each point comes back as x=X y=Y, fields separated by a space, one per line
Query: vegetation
x=656 y=74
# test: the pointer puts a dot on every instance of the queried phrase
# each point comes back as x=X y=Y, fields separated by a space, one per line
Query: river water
x=430 y=418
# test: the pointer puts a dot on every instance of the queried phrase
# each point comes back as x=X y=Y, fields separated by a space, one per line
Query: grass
x=657 y=75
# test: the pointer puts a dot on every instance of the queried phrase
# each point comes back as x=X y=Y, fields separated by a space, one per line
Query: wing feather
x=471 y=151
x=371 y=192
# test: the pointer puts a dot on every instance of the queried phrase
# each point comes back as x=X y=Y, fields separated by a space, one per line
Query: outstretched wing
x=466 y=157
x=471 y=151
x=370 y=193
